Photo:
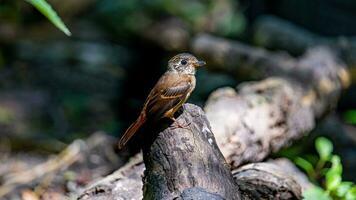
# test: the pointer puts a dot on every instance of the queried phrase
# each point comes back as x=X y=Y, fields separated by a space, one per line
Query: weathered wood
x=262 y=117
x=279 y=176
x=87 y=155
x=124 y=183
x=185 y=163
x=286 y=166
x=266 y=181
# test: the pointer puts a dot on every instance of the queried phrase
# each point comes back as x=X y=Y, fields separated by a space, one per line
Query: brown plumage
x=170 y=92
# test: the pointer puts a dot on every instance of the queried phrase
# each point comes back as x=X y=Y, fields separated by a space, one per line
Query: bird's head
x=184 y=63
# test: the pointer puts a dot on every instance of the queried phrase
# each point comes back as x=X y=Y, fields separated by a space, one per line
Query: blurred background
x=55 y=89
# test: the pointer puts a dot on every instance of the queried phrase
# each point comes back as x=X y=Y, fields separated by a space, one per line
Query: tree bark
x=125 y=183
x=263 y=117
x=266 y=181
x=279 y=178
x=185 y=163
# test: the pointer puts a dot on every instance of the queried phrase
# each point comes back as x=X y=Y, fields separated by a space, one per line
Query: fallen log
x=263 y=117
x=124 y=183
x=266 y=181
x=19 y=174
x=185 y=163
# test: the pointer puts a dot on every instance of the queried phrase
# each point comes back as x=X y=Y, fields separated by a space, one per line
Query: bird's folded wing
x=162 y=100
x=175 y=92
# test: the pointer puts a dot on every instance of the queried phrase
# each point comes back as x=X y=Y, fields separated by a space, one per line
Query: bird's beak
x=200 y=63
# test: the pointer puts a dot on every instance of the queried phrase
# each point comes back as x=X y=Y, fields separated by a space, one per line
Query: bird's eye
x=183 y=62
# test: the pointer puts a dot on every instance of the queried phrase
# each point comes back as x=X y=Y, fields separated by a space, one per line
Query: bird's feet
x=177 y=124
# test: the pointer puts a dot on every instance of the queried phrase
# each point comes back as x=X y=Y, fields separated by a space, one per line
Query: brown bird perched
x=170 y=92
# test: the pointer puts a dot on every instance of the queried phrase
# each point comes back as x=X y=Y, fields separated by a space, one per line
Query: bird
x=168 y=95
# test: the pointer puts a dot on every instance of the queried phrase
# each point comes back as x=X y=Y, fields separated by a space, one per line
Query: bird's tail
x=132 y=130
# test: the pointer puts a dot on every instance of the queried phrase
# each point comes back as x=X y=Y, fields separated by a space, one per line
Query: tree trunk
x=185 y=163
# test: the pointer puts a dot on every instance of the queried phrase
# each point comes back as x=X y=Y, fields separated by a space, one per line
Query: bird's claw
x=176 y=124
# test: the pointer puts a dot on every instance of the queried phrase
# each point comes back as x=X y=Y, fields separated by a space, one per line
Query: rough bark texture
x=285 y=180
x=89 y=159
x=285 y=166
x=263 y=117
x=185 y=163
x=124 y=183
x=266 y=181
x=202 y=173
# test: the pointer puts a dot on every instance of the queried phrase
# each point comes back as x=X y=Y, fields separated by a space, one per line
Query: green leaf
x=333 y=176
x=351 y=194
x=336 y=164
x=324 y=148
x=343 y=189
x=304 y=164
x=350 y=116
x=333 y=181
x=46 y=10
x=316 y=193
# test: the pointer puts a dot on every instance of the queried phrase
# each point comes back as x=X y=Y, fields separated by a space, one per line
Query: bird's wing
x=160 y=101
x=176 y=91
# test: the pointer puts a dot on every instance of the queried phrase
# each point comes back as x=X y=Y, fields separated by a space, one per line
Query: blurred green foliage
x=86 y=80
x=6 y=116
x=328 y=172
x=222 y=17
x=350 y=116
x=46 y=10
